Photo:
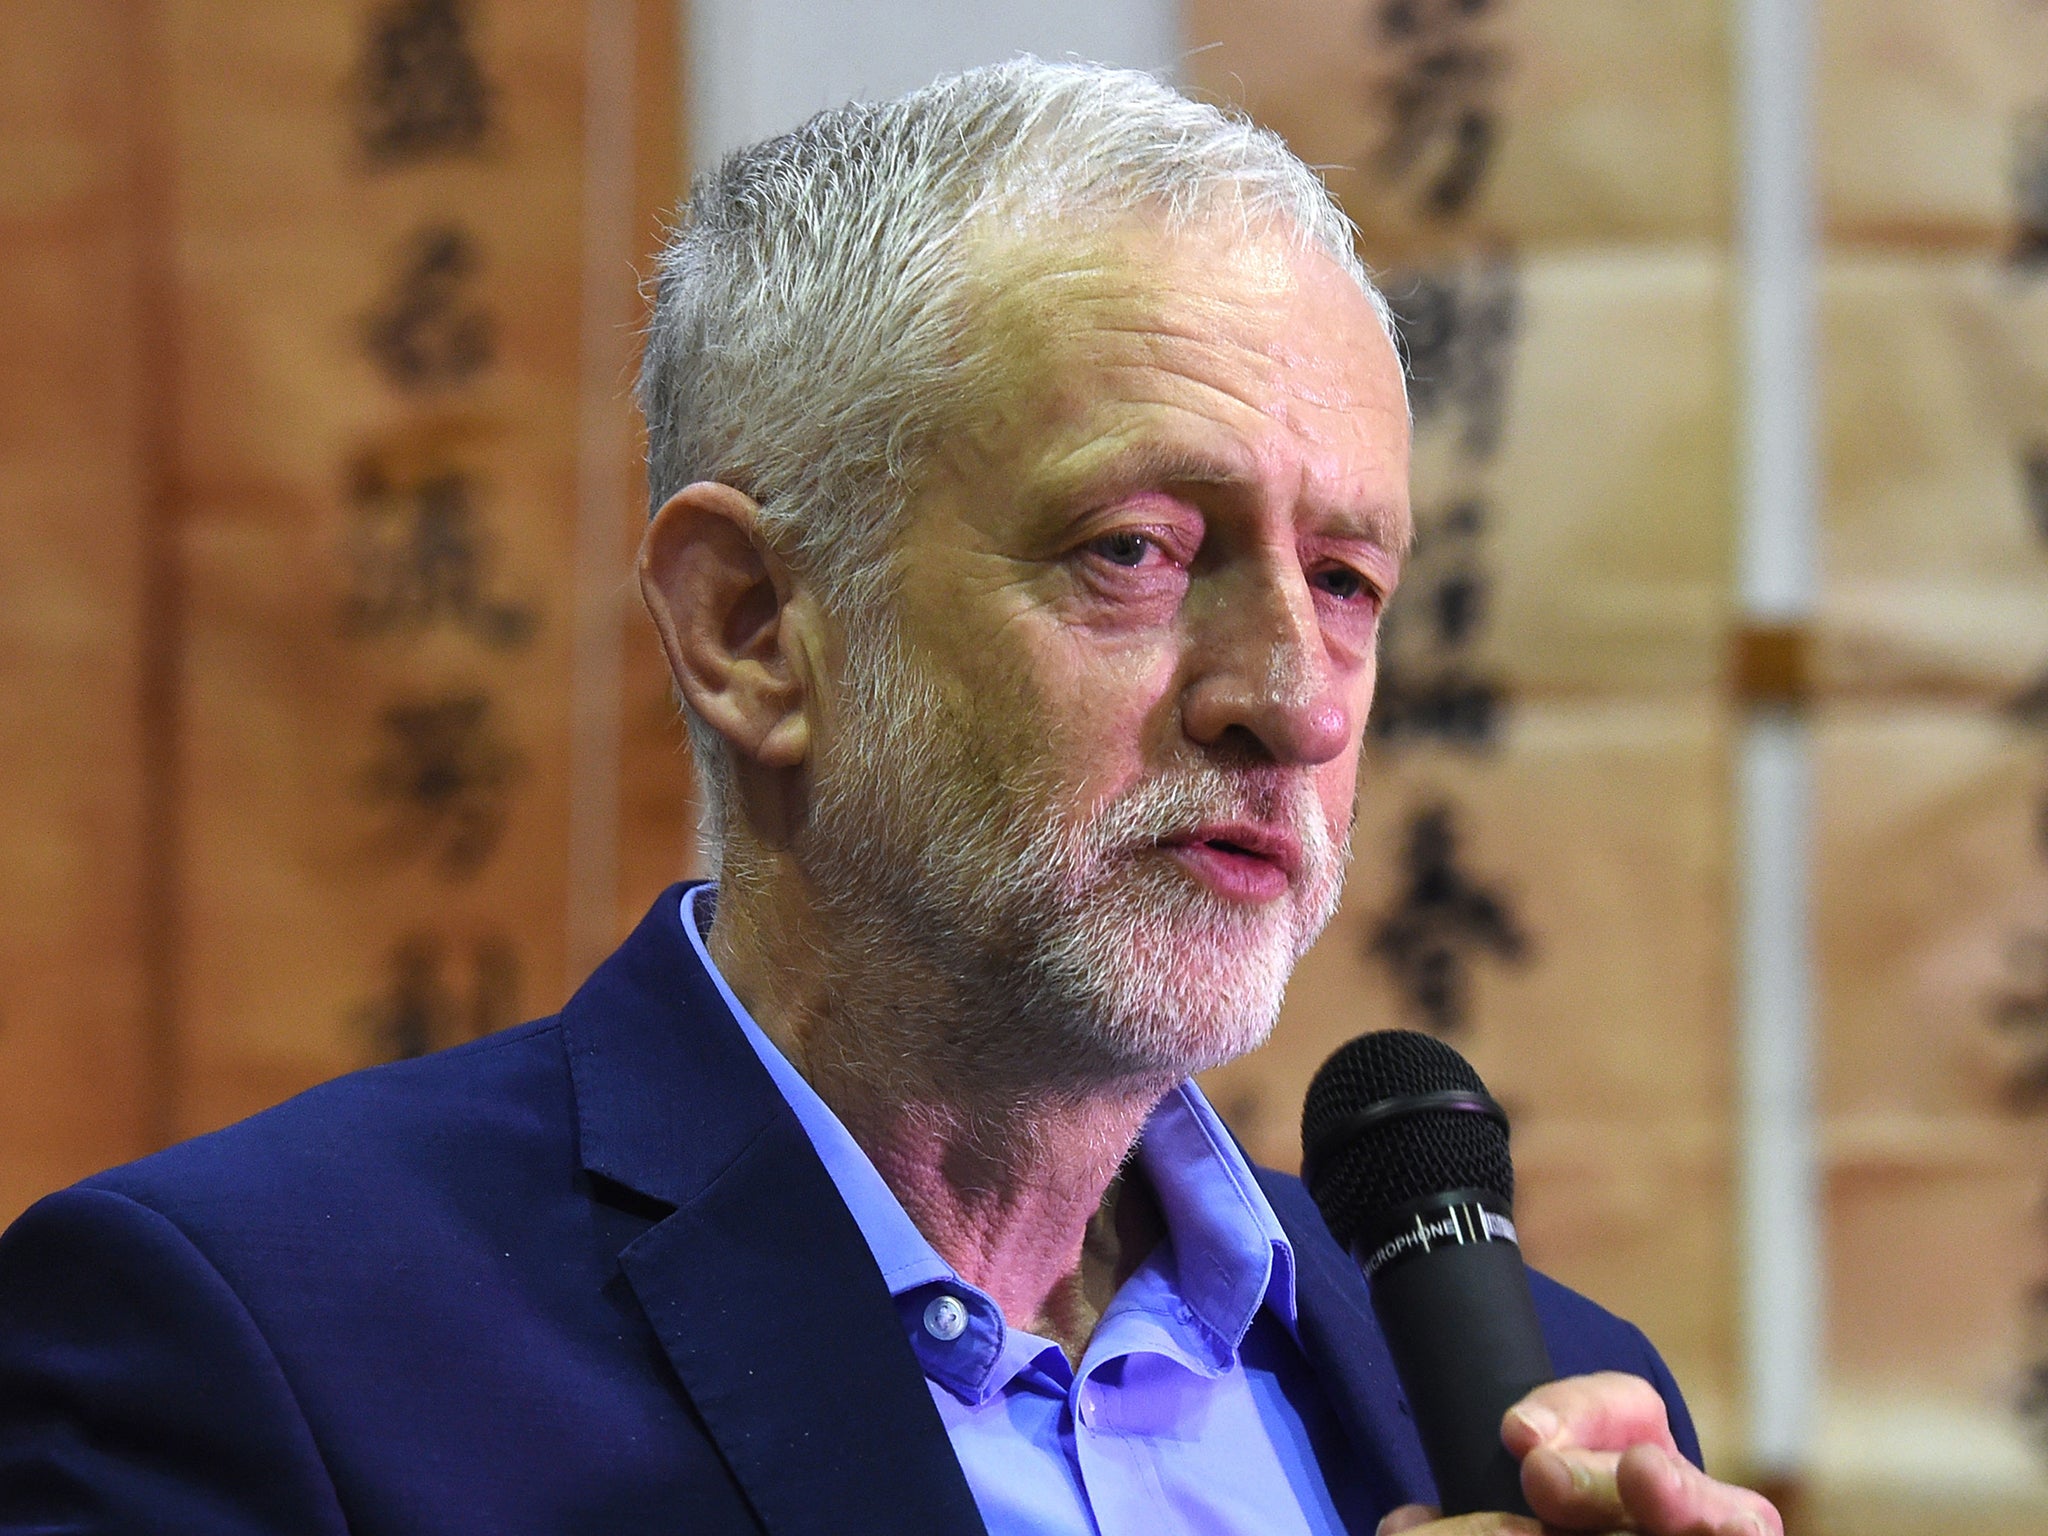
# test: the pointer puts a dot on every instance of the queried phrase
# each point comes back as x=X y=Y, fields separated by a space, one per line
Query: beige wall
x=313 y=415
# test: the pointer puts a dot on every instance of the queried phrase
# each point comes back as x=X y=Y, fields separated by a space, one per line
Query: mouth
x=1239 y=860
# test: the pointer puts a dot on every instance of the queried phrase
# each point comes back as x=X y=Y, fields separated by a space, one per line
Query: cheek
x=1130 y=707
x=1337 y=787
x=1366 y=682
x=1107 y=708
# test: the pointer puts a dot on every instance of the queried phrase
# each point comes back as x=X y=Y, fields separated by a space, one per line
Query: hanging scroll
x=1931 y=900
x=1931 y=860
x=1563 y=122
x=1929 y=122
x=74 y=479
x=1936 y=419
x=1572 y=421
x=386 y=308
x=382 y=452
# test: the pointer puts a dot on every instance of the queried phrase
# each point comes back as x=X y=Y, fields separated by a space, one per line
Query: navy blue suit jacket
x=586 y=1275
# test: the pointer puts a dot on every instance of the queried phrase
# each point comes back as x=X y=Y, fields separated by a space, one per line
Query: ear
x=731 y=622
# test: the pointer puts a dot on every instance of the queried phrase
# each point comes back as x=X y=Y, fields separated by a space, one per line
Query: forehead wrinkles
x=1072 y=352
x=1057 y=322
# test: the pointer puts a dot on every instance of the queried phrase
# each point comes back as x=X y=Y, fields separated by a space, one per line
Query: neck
x=1002 y=1174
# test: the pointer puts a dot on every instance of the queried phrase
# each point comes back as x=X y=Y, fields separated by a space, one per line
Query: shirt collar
x=1229 y=1250
x=905 y=1258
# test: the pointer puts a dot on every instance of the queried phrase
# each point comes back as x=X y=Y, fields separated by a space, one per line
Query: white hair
x=811 y=338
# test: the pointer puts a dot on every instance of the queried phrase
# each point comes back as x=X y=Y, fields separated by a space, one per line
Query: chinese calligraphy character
x=2025 y=1006
x=1427 y=686
x=419 y=1012
x=1449 y=706
x=2033 y=1394
x=1441 y=924
x=2031 y=704
x=419 y=556
x=424 y=335
x=2023 y=1011
x=2034 y=469
x=419 y=89
x=2030 y=189
x=1459 y=326
x=2033 y=1401
x=446 y=774
x=1438 y=97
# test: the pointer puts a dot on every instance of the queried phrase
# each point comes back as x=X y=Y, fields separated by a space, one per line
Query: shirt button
x=1090 y=1407
x=945 y=1319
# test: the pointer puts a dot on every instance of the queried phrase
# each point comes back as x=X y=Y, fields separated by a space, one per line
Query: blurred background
x=1707 y=802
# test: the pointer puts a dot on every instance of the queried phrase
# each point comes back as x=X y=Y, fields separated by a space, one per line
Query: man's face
x=1098 y=765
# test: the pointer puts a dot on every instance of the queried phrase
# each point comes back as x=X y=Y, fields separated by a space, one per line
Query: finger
x=1423 y=1520
x=1606 y=1412
x=1574 y=1490
x=1646 y=1489
x=1667 y=1495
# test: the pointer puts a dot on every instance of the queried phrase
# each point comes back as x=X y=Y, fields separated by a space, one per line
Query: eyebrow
x=1147 y=465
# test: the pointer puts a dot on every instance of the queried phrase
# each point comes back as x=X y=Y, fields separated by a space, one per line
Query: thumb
x=1418 y=1517
x=1406 y=1518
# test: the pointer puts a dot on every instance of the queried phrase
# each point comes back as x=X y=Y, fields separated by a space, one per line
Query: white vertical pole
x=1780 y=1185
x=1780 y=361
x=1781 y=1206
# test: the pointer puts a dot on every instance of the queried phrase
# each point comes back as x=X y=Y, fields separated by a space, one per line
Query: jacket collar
x=758 y=1283
x=1345 y=1348
x=668 y=1094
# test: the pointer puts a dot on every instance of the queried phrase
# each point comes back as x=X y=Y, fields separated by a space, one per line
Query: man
x=1030 y=457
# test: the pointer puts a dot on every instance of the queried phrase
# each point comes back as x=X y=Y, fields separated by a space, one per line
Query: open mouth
x=1240 y=864
x=1225 y=845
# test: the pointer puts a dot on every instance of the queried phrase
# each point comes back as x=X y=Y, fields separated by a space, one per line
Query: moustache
x=1178 y=803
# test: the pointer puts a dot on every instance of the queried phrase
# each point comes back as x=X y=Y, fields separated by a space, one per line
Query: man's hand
x=1597 y=1455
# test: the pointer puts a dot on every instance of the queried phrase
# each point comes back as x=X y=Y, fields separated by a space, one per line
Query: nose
x=1262 y=675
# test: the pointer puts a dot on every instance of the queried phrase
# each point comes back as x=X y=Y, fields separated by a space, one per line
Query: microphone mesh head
x=1389 y=1164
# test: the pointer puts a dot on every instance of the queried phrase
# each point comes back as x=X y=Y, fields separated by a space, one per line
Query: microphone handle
x=1462 y=1328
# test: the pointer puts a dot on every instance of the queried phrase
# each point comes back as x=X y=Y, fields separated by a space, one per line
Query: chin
x=1175 y=992
x=1153 y=1037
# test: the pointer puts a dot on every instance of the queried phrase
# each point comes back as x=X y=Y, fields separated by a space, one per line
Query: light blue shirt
x=1192 y=1411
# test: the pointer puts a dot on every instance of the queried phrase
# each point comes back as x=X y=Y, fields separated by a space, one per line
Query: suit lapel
x=1343 y=1343
x=759 y=1285
x=770 y=1307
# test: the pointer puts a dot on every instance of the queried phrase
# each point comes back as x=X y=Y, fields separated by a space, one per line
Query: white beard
x=1068 y=949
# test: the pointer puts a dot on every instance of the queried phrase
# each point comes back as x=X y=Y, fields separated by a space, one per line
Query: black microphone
x=1407 y=1157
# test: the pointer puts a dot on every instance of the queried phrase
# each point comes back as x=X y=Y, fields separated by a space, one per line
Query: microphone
x=1406 y=1156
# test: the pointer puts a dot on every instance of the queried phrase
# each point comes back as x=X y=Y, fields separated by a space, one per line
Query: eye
x=1344 y=584
x=1125 y=548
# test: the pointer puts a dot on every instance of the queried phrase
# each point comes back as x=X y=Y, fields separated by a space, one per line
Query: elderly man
x=1031 y=458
